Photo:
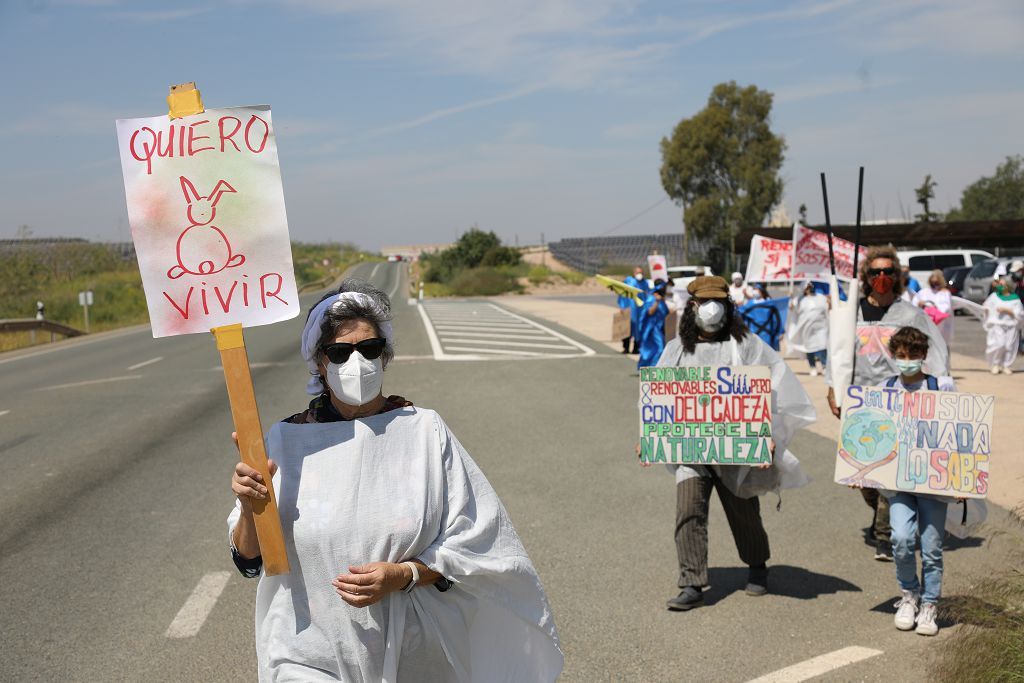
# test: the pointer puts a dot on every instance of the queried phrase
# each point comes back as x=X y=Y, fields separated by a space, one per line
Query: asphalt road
x=115 y=491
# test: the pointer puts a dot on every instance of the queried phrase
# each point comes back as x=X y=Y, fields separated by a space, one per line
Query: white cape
x=792 y=411
x=394 y=487
x=808 y=325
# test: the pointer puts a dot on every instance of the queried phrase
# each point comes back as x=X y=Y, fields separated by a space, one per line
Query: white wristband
x=415 y=577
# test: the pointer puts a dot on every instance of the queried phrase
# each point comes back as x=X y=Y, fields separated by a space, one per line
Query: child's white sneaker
x=994 y=370
x=906 y=610
x=814 y=372
x=1007 y=370
x=926 y=625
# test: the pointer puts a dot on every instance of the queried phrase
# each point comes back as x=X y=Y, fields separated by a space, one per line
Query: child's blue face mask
x=909 y=368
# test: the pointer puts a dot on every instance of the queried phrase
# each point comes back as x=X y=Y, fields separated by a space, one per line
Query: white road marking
x=375 y=269
x=193 y=613
x=504 y=335
x=499 y=352
x=512 y=326
x=146 y=362
x=90 y=381
x=485 y=331
x=491 y=342
x=816 y=666
x=4 y=412
x=261 y=364
x=435 y=345
x=587 y=351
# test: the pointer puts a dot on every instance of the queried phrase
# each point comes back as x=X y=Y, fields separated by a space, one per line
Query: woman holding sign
x=404 y=564
x=712 y=333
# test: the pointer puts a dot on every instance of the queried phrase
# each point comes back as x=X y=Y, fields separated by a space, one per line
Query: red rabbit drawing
x=203 y=248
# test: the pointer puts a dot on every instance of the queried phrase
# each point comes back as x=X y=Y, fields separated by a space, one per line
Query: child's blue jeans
x=918 y=521
x=813 y=356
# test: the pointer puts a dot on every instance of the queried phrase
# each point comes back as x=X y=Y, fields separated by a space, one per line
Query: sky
x=407 y=122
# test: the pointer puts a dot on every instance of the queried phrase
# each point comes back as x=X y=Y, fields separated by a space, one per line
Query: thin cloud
x=438 y=114
x=159 y=15
x=840 y=86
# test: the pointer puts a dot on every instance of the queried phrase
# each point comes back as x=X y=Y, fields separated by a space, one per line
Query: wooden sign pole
x=235 y=360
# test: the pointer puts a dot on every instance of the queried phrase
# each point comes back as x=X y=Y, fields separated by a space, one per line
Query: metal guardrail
x=33 y=325
x=317 y=284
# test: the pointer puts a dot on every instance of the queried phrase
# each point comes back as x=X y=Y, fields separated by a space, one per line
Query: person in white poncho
x=711 y=332
x=404 y=563
x=1004 y=318
x=808 y=331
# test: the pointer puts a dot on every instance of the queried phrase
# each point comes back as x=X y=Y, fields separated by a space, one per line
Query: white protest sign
x=658 y=266
x=811 y=255
x=207 y=215
x=771 y=260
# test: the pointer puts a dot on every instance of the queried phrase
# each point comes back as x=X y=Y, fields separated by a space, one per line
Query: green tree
x=996 y=198
x=925 y=194
x=722 y=166
x=475 y=248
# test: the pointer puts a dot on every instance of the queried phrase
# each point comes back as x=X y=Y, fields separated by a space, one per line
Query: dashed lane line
x=145 y=363
x=4 y=412
x=88 y=382
x=197 y=608
x=816 y=666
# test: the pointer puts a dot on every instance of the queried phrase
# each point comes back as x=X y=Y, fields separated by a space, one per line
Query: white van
x=922 y=263
x=684 y=275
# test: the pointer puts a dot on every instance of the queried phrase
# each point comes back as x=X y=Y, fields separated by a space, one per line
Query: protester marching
x=871 y=341
x=712 y=335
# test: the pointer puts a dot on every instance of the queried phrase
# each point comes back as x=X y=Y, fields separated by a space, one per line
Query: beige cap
x=708 y=287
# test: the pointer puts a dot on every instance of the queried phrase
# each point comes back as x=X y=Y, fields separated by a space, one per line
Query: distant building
x=780 y=217
x=411 y=252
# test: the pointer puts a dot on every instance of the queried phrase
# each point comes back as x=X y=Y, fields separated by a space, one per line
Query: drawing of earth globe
x=869 y=435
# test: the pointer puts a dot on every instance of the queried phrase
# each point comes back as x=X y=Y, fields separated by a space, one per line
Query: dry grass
x=989 y=645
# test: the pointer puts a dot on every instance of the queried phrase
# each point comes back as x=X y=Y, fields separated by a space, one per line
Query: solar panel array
x=595 y=254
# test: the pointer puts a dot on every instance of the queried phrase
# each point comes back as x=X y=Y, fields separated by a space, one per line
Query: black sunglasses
x=370 y=349
x=880 y=271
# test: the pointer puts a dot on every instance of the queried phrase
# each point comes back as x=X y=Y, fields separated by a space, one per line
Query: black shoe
x=688 y=598
x=757 y=581
x=883 y=551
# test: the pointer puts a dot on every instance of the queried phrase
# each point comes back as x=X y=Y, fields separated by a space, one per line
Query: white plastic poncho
x=793 y=411
x=808 y=331
x=874 y=362
x=394 y=487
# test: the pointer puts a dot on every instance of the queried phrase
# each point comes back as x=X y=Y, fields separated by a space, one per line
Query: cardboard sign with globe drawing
x=935 y=442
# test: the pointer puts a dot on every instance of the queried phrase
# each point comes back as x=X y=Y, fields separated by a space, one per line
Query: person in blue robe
x=635 y=280
x=652 y=327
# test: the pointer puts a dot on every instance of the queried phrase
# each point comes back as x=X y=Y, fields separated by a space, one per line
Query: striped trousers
x=693 y=497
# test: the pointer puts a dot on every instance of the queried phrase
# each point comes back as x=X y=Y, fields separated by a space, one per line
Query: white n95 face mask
x=357 y=381
x=711 y=316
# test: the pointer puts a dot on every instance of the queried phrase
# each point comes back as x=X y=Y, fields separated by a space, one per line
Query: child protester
x=917 y=519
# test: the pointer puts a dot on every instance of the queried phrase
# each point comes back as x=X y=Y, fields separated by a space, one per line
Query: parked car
x=684 y=275
x=955 y=278
x=922 y=263
x=978 y=283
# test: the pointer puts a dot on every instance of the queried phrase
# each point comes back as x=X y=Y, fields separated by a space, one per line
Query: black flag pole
x=828 y=226
x=856 y=235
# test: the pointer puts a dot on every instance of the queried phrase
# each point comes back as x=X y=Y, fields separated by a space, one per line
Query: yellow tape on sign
x=184 y=100
x=228 y=336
